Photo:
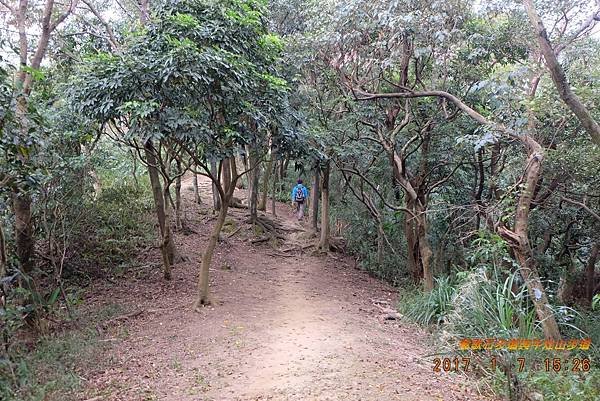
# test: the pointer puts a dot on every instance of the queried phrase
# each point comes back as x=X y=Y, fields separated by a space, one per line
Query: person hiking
x=299 y=197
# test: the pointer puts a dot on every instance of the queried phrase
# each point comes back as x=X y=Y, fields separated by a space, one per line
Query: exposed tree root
x=280 y=254
x=271 y=228
x=260 y=239
x=296 y=247
x=104 y=325
x=235 y=232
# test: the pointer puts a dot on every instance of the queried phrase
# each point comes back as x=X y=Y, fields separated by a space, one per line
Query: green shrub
x=115 y=226
x=566 y=386
x=428 y=308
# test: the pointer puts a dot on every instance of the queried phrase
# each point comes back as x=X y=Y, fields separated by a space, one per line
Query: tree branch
x=583 y=206
x=558 y=76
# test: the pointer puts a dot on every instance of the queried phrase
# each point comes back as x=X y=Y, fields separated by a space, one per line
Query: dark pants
x=300 y=210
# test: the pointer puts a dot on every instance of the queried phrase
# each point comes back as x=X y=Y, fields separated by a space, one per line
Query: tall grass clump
x=430 y=307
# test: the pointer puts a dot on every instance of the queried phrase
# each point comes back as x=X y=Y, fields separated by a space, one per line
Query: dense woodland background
x=453 y=147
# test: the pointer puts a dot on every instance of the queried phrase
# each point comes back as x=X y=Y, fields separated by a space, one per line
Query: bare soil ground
x=300 y=327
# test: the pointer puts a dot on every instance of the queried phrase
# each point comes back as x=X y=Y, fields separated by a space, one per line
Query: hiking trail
x=281 y=327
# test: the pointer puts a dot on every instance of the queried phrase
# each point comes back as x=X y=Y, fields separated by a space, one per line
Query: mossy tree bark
x=324 y=238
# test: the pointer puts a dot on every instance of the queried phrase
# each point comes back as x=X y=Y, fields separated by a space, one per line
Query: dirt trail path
x=281 y=328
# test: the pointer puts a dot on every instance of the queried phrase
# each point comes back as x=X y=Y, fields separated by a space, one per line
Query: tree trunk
x=412 y=246
x=226 y=174
x=519 y=242
x=167 y=248
x=3 y=259
x=314 y=213
x=203 y=289
x=240 y=160
x=21 y=201
x=215 y=193
x=197 y=198
x=282 y=173
x=253 y=184
x=380 y=243
x=424 y=249
x=324 y=240
x=167 y=239
x=274 y=189
x=203 y=294
x=24 y=241
x=233 y=173
x=265 y=187
x=178 y=221
x=590 y=270
x=285 y=167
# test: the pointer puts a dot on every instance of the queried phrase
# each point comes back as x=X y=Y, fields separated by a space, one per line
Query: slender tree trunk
x=215 y=193
x=286 y=162
x=21 y=200
x=324 y=240
x=197 y=198
x=168 y=246
x=178 y=221
x=314 y=213
x=97 y=184
x=250 y=176
x=24 y=241
x=240 y=160
x=274 y=189
x=226 y=174
x=265 y=187
x=523 y=250
x=253 y=183
x=519 y=241
x=412 y=245
x=282 y=173
x=203 y=288
x=203 y=293
x=167 y=240
x=424 y=249
x=380 y=243
x=233 y=173
x=590 y=270
x=480 y=181
x=3 y=258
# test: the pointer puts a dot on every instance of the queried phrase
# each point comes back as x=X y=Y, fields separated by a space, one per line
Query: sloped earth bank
x=296 y=327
